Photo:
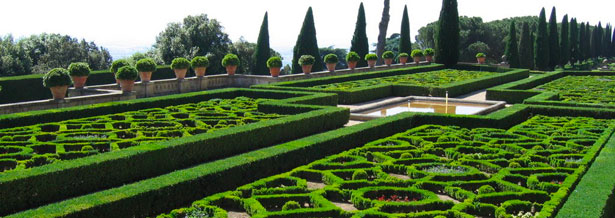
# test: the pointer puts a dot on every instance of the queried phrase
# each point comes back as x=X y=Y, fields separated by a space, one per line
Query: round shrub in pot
x=200 y=64
x=306 y=62
x=127 y=76
x=388 y=57
x=352 y=58
x=371 y=60
x=146 y=67
x=403 y=58
x=230 y=62
x=57 y=80
x=274 y=64
x=331 y=61
x=79 y=72
x=180 y=67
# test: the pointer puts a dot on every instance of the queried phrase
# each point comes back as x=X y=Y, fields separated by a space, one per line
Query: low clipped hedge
x=40 y=185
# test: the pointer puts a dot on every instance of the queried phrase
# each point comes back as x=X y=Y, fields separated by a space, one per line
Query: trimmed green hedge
x=33 y=187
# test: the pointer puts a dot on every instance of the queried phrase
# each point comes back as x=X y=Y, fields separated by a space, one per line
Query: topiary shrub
x=117 y=64
x=403 y=54
x=180 y=63
x=429 y=52
x=353 y=56
x=306 y=60
x=417 y=53
x=199 y=61
x=388 y=55
x=87 y=148
x=331 y=59
x=291 y=205
x=405 y=156
x=57 y=77
x=146 y=65
x=480 y=55
x=127 y=73
x=230 y=60
x=371 y=57
x=359 y=174
x=485 y=189
x=79 y=69
x=274 y=61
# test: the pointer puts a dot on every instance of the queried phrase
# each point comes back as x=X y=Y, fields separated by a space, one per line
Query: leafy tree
x=245 y=51
x=511 y=47
x=475 y=48
x=307 y=44
x=564 y=42
x=447 y=34
x=582 y=39
x=382 y=30
x=340 y=52
x=525 y=48
x=541 y=45
x=405 y=45
x=553 y=40
x=574 y=41
x=359 y=43
x=14 y=60
x=262 y=51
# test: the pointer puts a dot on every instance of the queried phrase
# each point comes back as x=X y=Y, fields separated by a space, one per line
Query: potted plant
x=306 y=62
x=79 y=73
x=200 y=64
x=180 y=67
x=388 y=57
x=145 y=67
x=371 y=60
x=274 y=63
x=403 y=58
x=429 y=53
x=230 y=62
x=57 y=80
x=127 y=76
x=417 y=54
x=331 y=60
x=116 y=65
x=352 y=58
x=481 y=57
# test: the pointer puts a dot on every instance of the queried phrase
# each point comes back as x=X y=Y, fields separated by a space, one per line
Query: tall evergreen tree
x=262 y=51
x=532 y=40
x=525 y=48
x=587 y=43
x=582 y=38
x=598 y=40
x=606 y=41
x=307 y=44
x=359 y=43
x=613 y=44
x=594 y=44
x=554 y=55
x=574 y=41
x=564 y=42
x=405 y=45
x=512 y=49
x=541 y=45
x=447 y=34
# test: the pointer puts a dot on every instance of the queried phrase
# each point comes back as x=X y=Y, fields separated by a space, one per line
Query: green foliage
x=57 y=77
x=146 y=65
x=402 y=55
x=554 y=46
x=127 y=73
x=291 y=205
x=199 y=61
x=79 y=69
x=359 y=175
x=583 y=38
x=564 y=46
x=180 y=63
x=117 y=64
x=339 y=52
x=405 y=45
x=262 y=51
x=485 y=189
x=274 y=61
x=574 y=41
x=417 y=53
x=353 y=56
x=511 y=47
x=583 y=89
x=230 y=60
x=526 y=59
x=388 y=55
x=331 y=59
x=307 y=45
x=480 y=55
x=371 y=56
x=359 y=43
x=447 y=34
x=429 y=52
x=541 y=45
x=306 y=60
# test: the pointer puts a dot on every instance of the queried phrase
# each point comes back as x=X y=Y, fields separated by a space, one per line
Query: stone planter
x=403 y=60
x=200 y=71
x=58 y=92
x=274 y=71
x=145 y=76
x=307 y=69
x=79 y=81
x=371 y=63
x=331 y=67
x=230 y=69
x=180 y=73
x=127 y=85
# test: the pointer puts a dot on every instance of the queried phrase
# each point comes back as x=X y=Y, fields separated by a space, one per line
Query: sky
x=125 y=27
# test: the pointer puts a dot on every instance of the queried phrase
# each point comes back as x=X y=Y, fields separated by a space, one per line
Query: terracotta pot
x=352 y=65
x=180 y=73
x=429 y=58
x=331 y=67
x=371 y=63
x=417 y=60
x=127 y=85
x=145 y=76
x=481 y=60
x=230 y=69
x=79 y=81
x=307 y=69
x=200 y=71
x=58 y=92
x=274 y=71
x=403 y=60
x=388 y=61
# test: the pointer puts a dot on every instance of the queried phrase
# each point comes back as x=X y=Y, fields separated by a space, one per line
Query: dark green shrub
x=359 y=174
x=429 y=52
x=199 y=61
x=146 y=65
x=127 y=73
x=57 y=77
x=388 y=55
x=306 y=60
x=180 y=63
x=274 y=61
x=417 y=53
x=79 y=69
x=353 y=56
x=87 y=148
x=230 y=60
x=405 y=156
x=480 y=55
x=331 y=59
x=291 y=205
x=117 y=64
x=485 y=189
x=371 y=57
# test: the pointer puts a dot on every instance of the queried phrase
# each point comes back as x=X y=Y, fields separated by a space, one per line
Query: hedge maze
x=583 y=89
x=430 y=171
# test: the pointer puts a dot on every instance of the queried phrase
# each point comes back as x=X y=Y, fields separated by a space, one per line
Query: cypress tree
x=554 y=55
x=525 y=48
x=359 y=42
x=541 y=45
x=307 y=44
x=574 y=41
x=598 y=39
x=613 y=44
x=447 y=34
x=564 y=43
x=587 y=43
x=593 y=43
x=511 y=47
x=582 y=39
x=262 y=51
x=405 y=45
x=532 y=40
x=606 y=41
